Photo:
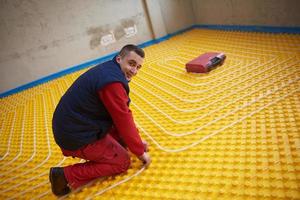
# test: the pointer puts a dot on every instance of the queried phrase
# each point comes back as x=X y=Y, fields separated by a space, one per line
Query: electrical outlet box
x=108 y=39
x=130 y=31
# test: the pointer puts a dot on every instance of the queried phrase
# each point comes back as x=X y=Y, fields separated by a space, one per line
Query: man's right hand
x=145 y=158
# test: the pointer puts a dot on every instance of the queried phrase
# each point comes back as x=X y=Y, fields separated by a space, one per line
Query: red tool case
x=205 y=62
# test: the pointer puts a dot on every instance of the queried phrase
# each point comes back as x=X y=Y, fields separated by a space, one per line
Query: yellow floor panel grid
x=231 y=134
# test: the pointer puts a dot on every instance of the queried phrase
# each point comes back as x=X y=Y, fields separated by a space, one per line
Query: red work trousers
x=105 y=157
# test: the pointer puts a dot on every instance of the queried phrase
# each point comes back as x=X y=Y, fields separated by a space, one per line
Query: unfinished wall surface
x=41 y=37
x=177 y=14
x=155 y=17
x=248 y=12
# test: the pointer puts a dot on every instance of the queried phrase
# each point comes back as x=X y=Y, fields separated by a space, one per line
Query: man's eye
x=132 y=64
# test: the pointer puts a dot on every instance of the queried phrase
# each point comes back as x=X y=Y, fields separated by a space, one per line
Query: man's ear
x=118 y=58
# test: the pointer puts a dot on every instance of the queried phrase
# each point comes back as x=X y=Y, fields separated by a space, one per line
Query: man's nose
x=134 y=70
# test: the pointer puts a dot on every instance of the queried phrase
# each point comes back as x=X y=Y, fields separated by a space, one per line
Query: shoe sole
x=50 y=178
x=52 y=186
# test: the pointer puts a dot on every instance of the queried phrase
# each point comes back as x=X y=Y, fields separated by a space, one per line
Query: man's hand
x=146 y=146
x=145 y=158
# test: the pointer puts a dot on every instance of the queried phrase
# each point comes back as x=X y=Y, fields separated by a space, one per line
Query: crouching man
x=93 y=121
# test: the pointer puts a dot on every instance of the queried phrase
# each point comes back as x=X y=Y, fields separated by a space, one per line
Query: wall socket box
x=130 y=31
x=108 y=39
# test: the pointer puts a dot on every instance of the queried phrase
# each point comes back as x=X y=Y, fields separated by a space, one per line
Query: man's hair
x=131 y=47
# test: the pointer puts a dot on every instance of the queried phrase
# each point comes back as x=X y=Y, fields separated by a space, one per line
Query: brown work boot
x=59 y=184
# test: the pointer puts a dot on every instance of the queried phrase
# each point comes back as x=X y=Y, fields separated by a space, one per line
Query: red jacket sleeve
x=115 y=98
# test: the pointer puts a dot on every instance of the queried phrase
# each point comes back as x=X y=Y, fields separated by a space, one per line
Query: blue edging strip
x=265 y=29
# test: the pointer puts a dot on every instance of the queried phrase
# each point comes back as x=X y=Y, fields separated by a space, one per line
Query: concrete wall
x=155 y=18
x=169 y=16
x=177 y=14
x=248 y=12
x=42 y=37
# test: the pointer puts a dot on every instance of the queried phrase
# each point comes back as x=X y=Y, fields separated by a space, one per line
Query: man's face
x=130 y=64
